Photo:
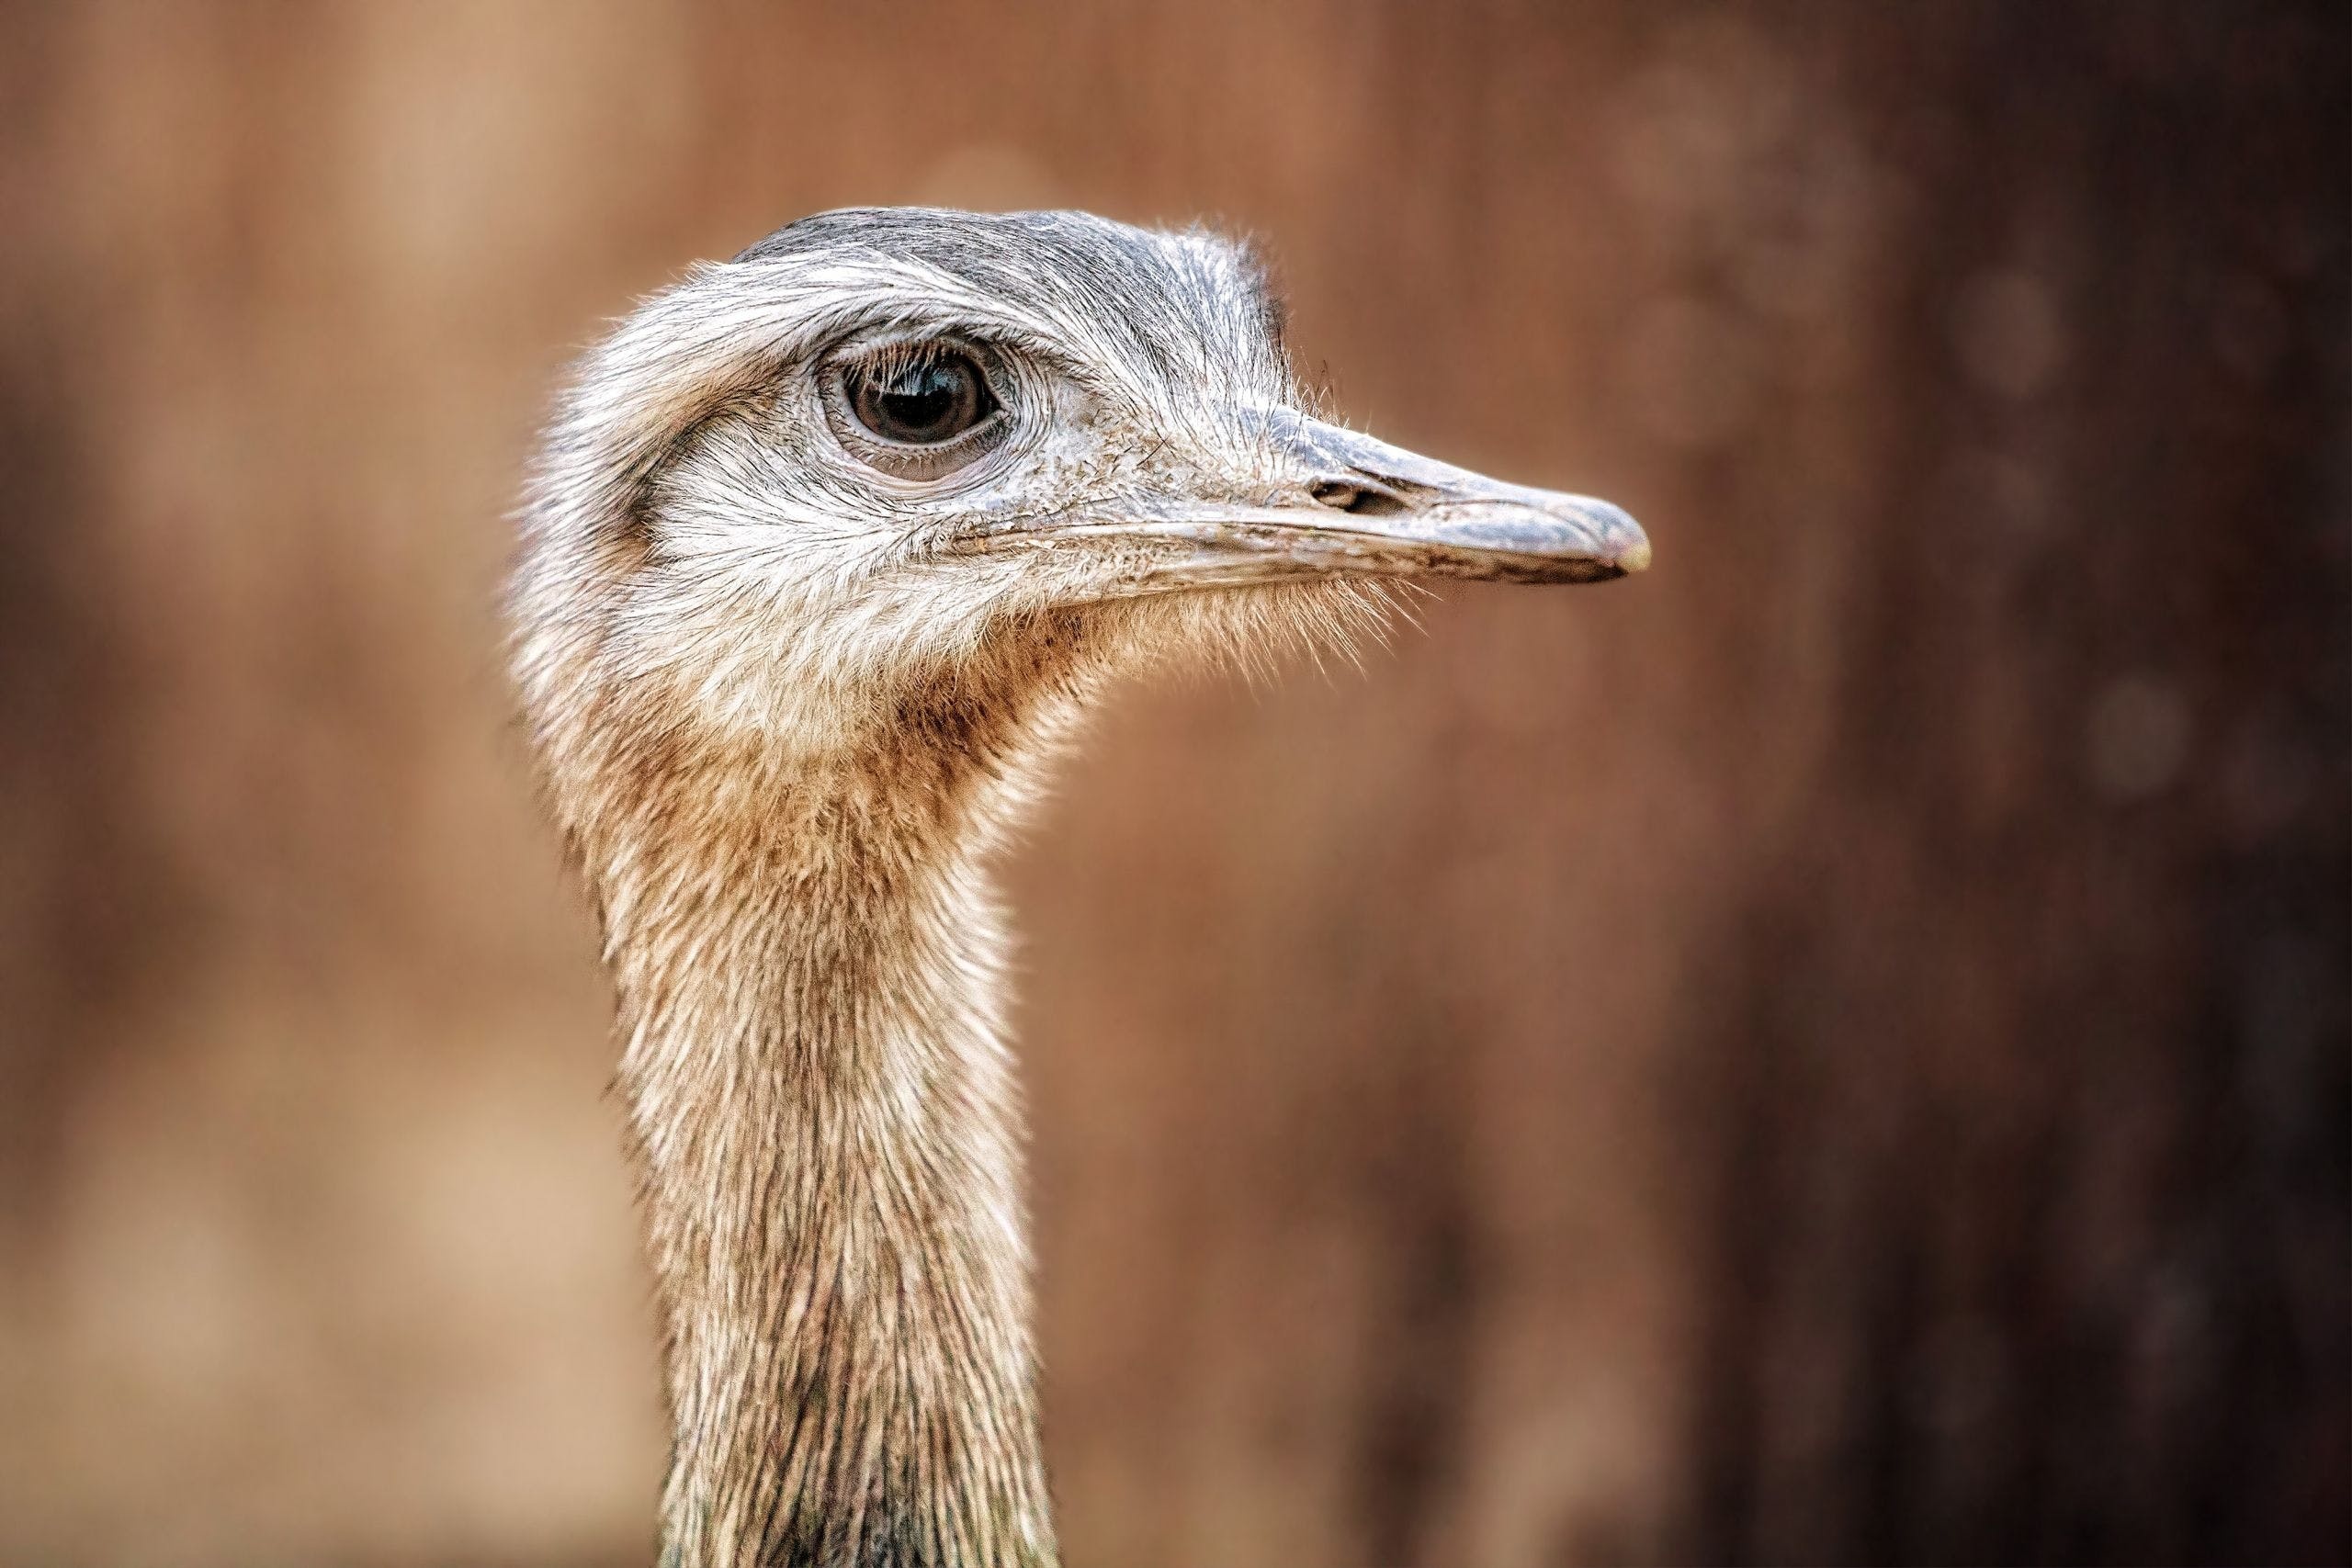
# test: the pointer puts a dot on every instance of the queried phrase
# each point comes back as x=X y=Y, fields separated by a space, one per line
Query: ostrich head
x=891 y=459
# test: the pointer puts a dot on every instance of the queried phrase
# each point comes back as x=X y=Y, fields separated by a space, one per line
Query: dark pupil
x=927 y=401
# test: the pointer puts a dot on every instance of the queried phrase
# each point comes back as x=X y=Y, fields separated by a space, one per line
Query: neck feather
x=815 y=1069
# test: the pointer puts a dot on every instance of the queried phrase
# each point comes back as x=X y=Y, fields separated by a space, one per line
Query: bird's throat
x=830 y=1137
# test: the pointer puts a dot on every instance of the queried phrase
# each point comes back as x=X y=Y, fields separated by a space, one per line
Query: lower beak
x=1353 y=505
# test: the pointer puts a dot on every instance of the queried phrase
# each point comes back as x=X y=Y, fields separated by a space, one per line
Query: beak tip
x=1635 y=556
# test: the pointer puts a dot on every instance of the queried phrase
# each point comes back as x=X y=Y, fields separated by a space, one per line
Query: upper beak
x=1355 y=505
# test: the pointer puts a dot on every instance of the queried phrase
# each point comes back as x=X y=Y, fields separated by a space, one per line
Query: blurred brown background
x=1835 y=1051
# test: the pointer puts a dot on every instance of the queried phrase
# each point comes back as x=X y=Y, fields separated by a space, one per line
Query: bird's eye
x=923 y=397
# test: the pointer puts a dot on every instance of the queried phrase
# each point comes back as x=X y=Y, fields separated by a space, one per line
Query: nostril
x=1362 y=500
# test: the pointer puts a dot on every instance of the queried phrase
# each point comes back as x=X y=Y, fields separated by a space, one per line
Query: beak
x=1350 y=504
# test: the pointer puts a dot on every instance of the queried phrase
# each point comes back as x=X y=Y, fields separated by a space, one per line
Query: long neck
x=831 y=1143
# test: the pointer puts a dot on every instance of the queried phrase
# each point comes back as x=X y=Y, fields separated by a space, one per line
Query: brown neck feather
x=829 y=1136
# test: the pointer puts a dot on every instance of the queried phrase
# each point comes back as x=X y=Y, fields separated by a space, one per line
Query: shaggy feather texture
x=783 y=723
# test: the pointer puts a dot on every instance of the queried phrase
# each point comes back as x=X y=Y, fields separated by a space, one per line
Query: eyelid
x=896 y=358
x=881 y=348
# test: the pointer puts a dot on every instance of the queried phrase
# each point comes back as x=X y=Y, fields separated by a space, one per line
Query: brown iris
x=920 y=399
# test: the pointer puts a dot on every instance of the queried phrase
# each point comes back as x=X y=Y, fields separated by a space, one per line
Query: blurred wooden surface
x=1836 y=1050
